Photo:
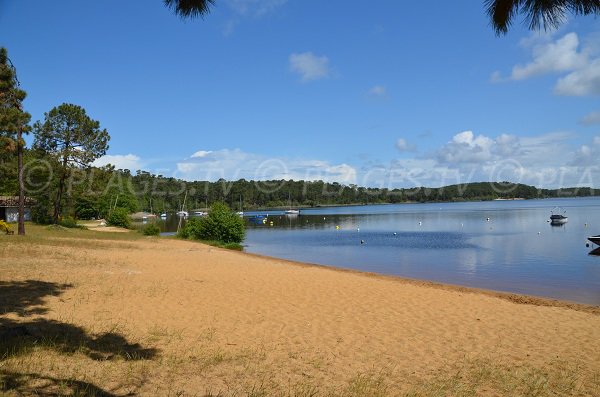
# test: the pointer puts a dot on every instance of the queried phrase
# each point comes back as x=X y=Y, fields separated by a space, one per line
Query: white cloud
x=588 y=155
x=201 y=153
x=564 y=55
x=547 y=160
x=120 y=161
x=233 y=164
x=559 y=56
x=378 y=91
x=584 y=81
x=309 y=66
x=403 y=146
x=591 y=118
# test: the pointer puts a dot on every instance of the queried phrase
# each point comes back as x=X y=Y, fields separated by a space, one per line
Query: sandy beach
x=119 y=313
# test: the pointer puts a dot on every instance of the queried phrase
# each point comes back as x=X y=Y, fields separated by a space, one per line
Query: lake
x=516 y=250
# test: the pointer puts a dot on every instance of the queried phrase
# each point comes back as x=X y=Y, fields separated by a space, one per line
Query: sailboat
x=182 y=213
x=291 y=211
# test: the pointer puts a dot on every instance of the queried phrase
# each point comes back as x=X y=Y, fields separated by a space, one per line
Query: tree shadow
x=47 y=386
x=26 y=299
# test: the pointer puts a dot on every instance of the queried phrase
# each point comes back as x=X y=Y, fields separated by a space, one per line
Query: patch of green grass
x=220 y=244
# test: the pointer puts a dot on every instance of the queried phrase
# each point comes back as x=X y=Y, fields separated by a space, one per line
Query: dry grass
x=65 y=331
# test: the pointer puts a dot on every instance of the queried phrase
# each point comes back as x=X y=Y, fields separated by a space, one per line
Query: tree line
x=57 y=172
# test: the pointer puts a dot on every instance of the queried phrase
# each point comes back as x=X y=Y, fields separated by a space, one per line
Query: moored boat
x=595 y=239
x=558 y=216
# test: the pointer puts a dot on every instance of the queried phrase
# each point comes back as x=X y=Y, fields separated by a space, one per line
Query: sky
x=389 y=94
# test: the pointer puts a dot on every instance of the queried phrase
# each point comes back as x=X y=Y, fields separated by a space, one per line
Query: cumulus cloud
x=559 y=56
x=564 y=55
x=547 y=160
x=583 y=81
x=233 y=164
x=403 y=146
x=120 y=161
x=309 y=66
x=591 y=118
x=378 y=91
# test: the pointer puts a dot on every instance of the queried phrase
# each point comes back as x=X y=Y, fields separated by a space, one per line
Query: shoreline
x=522 y=299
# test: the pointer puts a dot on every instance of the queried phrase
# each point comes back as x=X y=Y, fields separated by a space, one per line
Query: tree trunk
x=21 y=228
x=61 y=187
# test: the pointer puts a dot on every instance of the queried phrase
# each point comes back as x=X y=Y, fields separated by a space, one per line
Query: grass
x=220 y=244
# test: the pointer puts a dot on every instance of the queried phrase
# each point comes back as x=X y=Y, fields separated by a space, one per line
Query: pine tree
x=14 y=122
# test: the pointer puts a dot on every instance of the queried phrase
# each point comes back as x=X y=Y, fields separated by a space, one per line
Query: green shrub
x=119 y=217
x=69 y=222
x=151 y=229
x=221 y=224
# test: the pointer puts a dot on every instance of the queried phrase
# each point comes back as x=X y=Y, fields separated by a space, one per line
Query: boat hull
x=594 y=239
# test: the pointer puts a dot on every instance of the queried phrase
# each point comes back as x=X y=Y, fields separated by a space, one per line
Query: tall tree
x=14 y=122
x=548 y=14
x=76 y=140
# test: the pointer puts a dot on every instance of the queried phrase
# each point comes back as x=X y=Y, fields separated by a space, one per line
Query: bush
x=151 y=229
x=119 y=217
x=221 y=224
x=69 y=222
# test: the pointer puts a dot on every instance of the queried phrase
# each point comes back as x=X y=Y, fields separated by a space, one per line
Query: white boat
x=291 y=211
x=183 y=214
x=200 y=213
x=240 y=213
x=558 y=216
x=163 y=215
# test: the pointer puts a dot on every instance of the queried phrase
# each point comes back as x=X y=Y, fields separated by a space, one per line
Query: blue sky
x=385 y=95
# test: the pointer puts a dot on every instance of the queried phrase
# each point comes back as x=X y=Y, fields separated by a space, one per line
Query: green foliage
x=72 y=139
x=119 y=217
x=86 y=207
x=221 y=224
x=69 y=222
x=151 y=229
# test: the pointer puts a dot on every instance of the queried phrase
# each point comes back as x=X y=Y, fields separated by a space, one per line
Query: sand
x=222 y=321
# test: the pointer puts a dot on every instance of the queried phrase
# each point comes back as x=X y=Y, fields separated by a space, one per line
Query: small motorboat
x=558 y=216
x=291 y=212
x=594 y=239
x=183 y=214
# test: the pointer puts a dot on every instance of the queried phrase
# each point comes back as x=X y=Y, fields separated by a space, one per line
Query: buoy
x=362 y=241
x=539 y=232
x=585 y=224
x=395 y=233
x=487 y=219
x=337 y=228
x=462 y=225
x=420 y=223
x=358 y=229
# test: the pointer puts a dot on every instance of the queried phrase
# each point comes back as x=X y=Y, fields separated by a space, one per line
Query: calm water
x=517 y=250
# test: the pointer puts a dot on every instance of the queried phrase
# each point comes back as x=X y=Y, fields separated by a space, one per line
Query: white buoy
x=420 y=223
x=487 y=219
x=395 y=233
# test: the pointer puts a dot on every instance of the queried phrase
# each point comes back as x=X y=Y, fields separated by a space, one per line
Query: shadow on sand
x=26 y=299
